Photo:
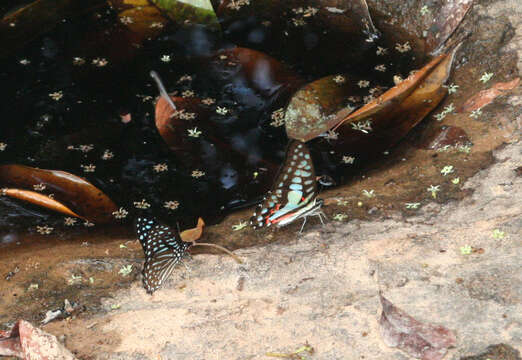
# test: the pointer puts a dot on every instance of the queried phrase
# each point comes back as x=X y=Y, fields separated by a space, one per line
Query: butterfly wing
x=294 y=188
x=163 y=249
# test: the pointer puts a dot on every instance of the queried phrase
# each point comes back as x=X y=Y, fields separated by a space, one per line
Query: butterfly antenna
x=235 y=257
x=162 y=90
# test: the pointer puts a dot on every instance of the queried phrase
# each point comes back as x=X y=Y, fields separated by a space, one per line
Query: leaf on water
x=397 y=110
x=73 y=195
x=40 y=200
x=387 y=103
x=28 y=342
x=420 y=340
x=485 y=97
x=194 y=234
x=421 y=101
x=318 y=106
x=173 y=125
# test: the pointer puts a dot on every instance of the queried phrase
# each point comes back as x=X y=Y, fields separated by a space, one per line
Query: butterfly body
x=163 y=249
x=294 y=194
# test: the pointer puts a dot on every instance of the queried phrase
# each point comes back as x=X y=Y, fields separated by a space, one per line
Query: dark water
x=239 y=166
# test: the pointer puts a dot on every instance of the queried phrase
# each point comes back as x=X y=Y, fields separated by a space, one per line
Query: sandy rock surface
x=322 y=287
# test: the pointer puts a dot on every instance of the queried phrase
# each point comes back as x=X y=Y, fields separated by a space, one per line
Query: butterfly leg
x=302 y=226
x=321 y=215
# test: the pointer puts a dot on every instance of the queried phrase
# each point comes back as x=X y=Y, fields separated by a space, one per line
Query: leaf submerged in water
x=73 y=195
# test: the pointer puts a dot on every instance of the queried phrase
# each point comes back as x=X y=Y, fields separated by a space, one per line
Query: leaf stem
x=162 y=90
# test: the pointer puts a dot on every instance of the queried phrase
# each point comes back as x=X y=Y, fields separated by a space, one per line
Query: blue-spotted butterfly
x=294 y=193
x=163 y=249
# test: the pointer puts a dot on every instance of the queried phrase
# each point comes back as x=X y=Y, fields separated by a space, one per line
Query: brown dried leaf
x=40 y=200
x=396 y=112
x=485 y=97
x=387 y=102
x=194 y=234
x=304 y=121
x=28 y=342
x=420 y=340
x=171 y=127
x=318 y=106
x=74 y=193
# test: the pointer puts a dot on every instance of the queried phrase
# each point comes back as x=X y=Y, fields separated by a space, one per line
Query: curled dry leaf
x=28 y=342
x=194 y=234
x=485 y=97
x=386 y=105
x=392 y=114
x=420 y=340
x=73 y=195
x=40 y=200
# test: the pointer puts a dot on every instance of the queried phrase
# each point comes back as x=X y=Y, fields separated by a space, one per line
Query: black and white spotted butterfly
x=294 y=193
x=163 y=249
